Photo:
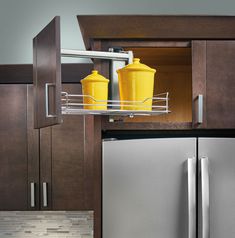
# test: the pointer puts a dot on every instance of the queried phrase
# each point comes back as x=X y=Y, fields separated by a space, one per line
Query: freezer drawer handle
x=32 y=194
x=191 y=167
x=205 y=197
x=47 y=85
x=44 y=189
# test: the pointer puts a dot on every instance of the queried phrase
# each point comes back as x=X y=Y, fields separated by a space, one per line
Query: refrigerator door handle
x=191 y=167
x=205 y=202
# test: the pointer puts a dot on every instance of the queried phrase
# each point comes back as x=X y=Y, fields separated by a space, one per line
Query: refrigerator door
x=146 y=186
x=216 y=187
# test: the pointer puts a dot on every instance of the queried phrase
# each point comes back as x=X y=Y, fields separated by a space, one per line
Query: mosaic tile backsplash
x=48 y=224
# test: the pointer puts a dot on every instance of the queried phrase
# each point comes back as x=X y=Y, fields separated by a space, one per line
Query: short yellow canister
x=136 y=83
x=95 y=86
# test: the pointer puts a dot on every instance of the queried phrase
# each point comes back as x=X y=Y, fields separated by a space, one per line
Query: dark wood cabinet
x=47 y=75
x=214 y=76
x=190 y=66
x=46 y=169
x=17 y=148
x=65 y=162
x=220 y=84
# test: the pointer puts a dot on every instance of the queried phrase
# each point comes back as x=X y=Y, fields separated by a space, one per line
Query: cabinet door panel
x=198 y=82
x=47 y=75
x=13 y=147
x=214 y=77
x=220 y=84
x=33 y=153
x=66 y=162
x=45 y=166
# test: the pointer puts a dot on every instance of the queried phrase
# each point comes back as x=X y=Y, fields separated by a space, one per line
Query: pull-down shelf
x=73 y=103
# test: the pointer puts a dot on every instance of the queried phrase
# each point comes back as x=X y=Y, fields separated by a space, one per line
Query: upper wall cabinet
x=51 y=102
x=192 y=56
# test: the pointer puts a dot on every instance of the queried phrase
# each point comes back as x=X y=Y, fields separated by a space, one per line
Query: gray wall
x=21 y=20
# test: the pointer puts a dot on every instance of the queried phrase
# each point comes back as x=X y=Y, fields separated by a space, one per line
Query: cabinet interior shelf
x=73 y=104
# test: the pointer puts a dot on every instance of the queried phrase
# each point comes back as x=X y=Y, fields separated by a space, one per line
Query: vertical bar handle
x=47 y=85
x=205 y=197
x=200 y=109
x=32 y=194
x=191 y=167
x=44 y=191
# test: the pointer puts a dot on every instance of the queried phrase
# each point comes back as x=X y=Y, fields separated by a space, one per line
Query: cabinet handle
x=191 y=166
x=32 y=194
x=200 y=109
x=47 y=85
x=44 y=190
x=205 y=197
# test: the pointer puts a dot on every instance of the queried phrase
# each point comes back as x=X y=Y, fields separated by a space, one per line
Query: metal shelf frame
x=72 y=104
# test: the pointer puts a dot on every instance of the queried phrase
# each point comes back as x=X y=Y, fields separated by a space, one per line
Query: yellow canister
x=95 y=86
x=136 y=83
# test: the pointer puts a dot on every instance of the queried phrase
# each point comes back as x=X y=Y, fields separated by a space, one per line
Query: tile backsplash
x=48 y=224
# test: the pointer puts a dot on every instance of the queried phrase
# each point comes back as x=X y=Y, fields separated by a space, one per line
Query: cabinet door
x=145 y=188
x=66 y=162
x=214 y=78
x=47 y=75
x=16 y=148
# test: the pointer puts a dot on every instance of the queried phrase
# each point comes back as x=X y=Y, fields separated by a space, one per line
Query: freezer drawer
x=145 y=188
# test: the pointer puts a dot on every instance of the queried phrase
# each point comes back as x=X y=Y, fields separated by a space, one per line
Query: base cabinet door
x=217 y=195
x=65 y=168
x=148 y=190
x=18 y=149
x=46 y=169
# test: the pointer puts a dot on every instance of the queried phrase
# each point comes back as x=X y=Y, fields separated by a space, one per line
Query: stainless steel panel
x=114 y=90
x=221 y=155
x=145 y=185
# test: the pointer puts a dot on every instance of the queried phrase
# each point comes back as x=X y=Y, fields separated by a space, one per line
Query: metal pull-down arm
x=118 y=60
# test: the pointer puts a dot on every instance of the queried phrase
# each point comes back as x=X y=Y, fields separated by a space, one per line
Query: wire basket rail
x=73 y=104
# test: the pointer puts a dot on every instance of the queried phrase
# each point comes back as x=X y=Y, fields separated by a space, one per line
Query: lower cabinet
x=64 y=164
x=46 y=169
x=13 y=147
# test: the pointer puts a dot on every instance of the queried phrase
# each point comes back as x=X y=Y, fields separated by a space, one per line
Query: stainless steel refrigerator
x=169 y=188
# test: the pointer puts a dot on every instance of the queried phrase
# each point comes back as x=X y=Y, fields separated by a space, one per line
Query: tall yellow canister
x=136 y=83
x=95 y=91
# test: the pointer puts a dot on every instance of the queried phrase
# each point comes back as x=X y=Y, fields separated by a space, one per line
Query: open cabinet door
x=47 y=75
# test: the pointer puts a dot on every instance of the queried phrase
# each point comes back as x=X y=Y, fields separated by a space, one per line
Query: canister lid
x=94 y=77
x=137 y=66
